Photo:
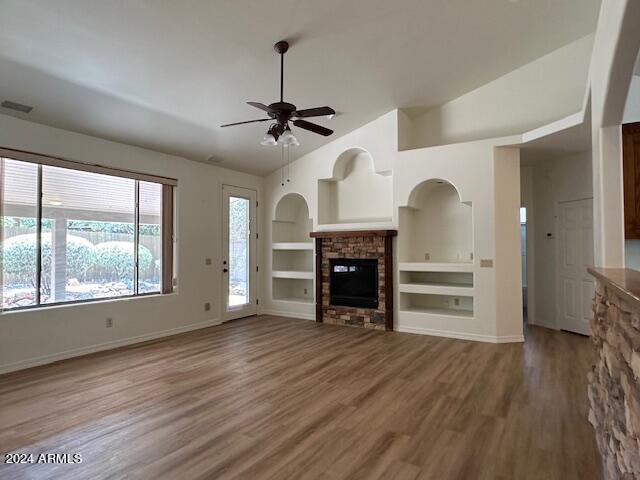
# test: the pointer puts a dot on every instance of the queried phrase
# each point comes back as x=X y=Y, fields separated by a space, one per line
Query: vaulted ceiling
x=164 y=75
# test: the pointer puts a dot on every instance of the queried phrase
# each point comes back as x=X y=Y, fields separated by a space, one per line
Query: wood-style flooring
x=275 y=398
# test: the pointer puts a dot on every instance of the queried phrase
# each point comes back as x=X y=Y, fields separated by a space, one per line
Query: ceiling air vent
x=18 y=107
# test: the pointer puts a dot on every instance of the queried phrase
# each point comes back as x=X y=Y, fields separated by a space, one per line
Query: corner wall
x=36 y=336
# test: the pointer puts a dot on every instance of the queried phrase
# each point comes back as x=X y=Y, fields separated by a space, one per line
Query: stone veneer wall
x=614 y=383
x=353 y=247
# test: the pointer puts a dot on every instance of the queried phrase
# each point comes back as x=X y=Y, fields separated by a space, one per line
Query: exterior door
x=575 y=253
x=239 y=230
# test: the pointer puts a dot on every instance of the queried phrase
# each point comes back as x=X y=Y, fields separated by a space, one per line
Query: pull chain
x=282 y=166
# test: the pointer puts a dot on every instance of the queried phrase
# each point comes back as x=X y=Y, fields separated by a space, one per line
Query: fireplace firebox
x=354 y=282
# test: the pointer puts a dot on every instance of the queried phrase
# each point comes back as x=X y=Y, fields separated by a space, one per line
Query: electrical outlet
x=207 y=307
x=427 y=256
x=207 y=261
x=108 y=322
x=306 y=291
x=456 y=301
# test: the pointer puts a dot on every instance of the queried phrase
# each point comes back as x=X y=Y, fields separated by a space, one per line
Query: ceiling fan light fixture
x=288 y=139
x=268 y=139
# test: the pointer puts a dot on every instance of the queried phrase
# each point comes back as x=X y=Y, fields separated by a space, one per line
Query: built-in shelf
x=436 y=289
x=456 y=302
x=294 y=290
x=448 y=312
x=292 y=246
x=292 y=251
x=436 y=266
x=300 y=274
x=437 y=283
x=294 y=299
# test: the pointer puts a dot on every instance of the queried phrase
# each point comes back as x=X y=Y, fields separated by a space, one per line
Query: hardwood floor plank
x=276 y=398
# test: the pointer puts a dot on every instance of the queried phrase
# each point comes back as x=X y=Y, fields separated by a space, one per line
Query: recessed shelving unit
x=355 y=193
x=440 y=283
x=435 y=251
x=292 y=251
x=436 y=226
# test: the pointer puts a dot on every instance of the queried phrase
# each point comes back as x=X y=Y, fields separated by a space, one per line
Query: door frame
x=251 y=308
x=558 y=306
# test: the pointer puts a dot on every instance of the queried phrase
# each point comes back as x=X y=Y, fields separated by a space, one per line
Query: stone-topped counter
x=614 y=383
x=625 y=280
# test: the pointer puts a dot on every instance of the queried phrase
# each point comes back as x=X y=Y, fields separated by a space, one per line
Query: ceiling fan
x=281 y=113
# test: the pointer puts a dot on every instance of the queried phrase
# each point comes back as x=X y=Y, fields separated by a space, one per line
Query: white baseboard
x=304 y=316
x=461 y=336
x=77 y=352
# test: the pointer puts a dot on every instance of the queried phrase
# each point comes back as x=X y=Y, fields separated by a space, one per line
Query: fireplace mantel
x=354 y=233
x=355 y=244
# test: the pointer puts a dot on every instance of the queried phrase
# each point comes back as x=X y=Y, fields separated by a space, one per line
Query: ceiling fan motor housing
x=281 y=47
x=281 y=111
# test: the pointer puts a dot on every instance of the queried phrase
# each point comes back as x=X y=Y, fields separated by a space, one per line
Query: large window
x=72 y=235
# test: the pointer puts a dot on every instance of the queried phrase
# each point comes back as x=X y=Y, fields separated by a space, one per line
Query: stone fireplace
x=354 y=278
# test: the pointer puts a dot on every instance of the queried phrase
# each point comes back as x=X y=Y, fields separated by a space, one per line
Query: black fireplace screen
x=354 y=282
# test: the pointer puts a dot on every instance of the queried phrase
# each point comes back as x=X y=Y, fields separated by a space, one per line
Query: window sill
x=55 y=306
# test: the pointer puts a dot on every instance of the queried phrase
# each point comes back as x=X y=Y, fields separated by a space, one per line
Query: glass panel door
x=239 y=243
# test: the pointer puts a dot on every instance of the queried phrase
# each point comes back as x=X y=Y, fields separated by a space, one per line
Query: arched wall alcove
x=292 y=250
x=355 y=193
x=436 y=226
x=291 y=220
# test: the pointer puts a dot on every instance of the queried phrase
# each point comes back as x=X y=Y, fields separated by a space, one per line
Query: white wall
x=632 y=106
x=551 y=182
x=545 y=90
x=40 y=335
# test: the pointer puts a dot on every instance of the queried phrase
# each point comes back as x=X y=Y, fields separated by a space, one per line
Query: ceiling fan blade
x=248 y=121
x=259 y=105
x=312 y=127
x=314 y=112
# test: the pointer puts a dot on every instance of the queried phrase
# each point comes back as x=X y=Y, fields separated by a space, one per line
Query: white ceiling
x=165 y=74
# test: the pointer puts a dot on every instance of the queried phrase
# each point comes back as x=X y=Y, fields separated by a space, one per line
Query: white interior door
x=239 y=233
x=575 y=253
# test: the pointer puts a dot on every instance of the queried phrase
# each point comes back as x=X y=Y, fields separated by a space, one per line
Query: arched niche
x=292 y=251
x=291 y=221
x=355 y=193
x=436 y=226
